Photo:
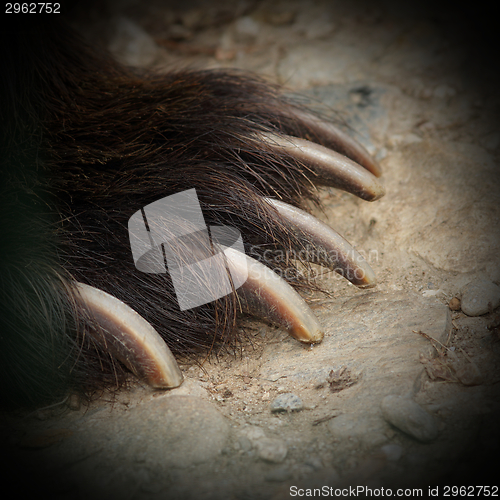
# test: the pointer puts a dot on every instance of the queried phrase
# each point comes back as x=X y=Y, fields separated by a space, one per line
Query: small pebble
x=131 y=44
x=368 y=430
x=272 y=450
x=314 y=462
x=287 y=402
x=479 y=297
x=454 y=304
x=254 y=433
x=246 y=28
x=410 y=418
x=244 y=444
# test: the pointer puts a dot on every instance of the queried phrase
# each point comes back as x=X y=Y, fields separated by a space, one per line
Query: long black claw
x=268 y=296
x=332 y=136
x=129 y=338
x=325 y=246
x=329 y=168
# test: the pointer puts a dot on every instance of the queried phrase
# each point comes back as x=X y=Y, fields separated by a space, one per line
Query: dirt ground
x=413 y=88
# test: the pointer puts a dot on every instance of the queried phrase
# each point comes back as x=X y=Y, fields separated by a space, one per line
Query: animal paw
x=105 y=143
x=252 y=157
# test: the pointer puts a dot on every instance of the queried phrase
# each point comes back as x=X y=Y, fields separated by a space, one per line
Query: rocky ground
x=404 y=390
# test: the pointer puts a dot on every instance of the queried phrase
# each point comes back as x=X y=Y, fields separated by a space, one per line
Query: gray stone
x=253 y=433
x=244 y=444
x=287 y=402
x=131 y=44
x=410 y=418
x=272 y=450
x=246 y=28
x=269 y=449
x=366 y=430
x=314 y=462
x=479 y=297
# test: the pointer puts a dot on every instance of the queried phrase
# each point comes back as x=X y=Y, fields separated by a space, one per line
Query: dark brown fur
x=86 y=144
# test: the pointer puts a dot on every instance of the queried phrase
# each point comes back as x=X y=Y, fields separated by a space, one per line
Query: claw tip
x=306 y=335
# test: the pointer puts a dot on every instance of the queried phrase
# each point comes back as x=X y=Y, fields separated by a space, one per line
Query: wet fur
x=86 y=143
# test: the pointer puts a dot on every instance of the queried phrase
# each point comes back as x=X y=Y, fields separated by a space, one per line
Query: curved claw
x=331 y=168
x=329 y=248
x=265 y=295
x=338 y=140
x=130 y=338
